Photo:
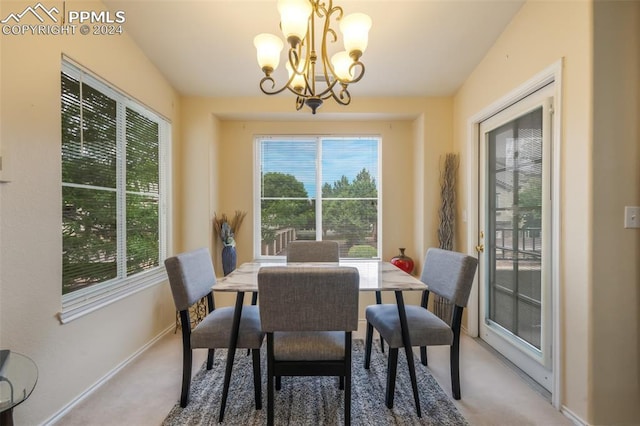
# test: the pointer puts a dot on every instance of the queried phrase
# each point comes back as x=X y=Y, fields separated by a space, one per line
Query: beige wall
x=224 y=131
x=615 y=319
x=70 y=357
x=599 y=175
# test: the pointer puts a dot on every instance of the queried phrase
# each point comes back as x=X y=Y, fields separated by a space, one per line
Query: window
x=318 y=188
x=114 y=221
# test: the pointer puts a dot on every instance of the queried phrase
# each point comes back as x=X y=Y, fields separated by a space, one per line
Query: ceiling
x=416 y=48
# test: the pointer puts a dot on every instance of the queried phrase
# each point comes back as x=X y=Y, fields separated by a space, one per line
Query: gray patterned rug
x=316 y=400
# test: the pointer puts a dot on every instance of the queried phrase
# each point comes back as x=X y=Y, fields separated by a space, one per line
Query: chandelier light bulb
x=298 y=84
x=294 y=19
x=355 y=31
x=268 y=47
x=341 y=62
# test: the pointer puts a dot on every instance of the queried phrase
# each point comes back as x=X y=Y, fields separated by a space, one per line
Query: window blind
x=318 y=188
x=114 y=223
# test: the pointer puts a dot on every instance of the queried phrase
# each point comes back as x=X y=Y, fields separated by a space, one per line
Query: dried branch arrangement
x=226 y=228
x=447 y=212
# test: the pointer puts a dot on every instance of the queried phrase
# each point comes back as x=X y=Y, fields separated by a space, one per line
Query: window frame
x=86 y=300
x=318 y=138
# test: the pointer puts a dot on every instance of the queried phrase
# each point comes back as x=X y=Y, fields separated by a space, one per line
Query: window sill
x=75 y=306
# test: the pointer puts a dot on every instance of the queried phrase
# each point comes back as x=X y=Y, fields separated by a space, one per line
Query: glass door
x=515 y=212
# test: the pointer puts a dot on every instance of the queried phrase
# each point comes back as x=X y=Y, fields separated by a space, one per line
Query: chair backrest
x=299 y=298
x=449 y=274
x=313 y=251
x=191 y=276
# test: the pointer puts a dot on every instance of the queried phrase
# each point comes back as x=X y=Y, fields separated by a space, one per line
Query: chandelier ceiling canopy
x=314 y=76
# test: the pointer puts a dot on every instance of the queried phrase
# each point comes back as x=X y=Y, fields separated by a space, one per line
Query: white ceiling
x=416 y=48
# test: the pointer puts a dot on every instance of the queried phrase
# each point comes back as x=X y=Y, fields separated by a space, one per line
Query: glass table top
x=18 y=377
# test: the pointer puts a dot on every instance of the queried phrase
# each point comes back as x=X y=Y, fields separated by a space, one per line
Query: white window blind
x=114 y=207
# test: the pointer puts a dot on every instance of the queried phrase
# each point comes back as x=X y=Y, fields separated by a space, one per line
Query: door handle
x=480 y=247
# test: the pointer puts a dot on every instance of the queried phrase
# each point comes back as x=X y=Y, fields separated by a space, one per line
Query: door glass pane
x=515 y=240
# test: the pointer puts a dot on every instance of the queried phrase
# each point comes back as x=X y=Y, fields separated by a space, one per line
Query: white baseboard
x=62 y=412
x=573 y=417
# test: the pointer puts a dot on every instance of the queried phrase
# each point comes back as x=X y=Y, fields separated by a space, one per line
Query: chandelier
x=298 y=24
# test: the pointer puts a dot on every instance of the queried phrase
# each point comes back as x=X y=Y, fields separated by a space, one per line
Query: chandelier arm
x=321 y=8
x=294 y=55
x=271 y=91
x=329 y=91
x=359 y=66
x=331 y=77
x=344 y=97
x=328 y=31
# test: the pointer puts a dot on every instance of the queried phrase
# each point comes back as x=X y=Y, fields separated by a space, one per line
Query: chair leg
x=379 y=301
x=454 y=354
x=367 y=346
x=187 y=355
x=454 y=360
x=257 y=378
x=347 y=379
x=278 y=382
x=270 y=384
x=210 y=354
x=391 y=376
x=341 y=385
x=186 y=377
x=254 y=301
x=423 y=355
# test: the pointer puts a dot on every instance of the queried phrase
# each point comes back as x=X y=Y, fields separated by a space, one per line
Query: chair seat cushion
x=425 y=328
x=215 y=330
x=308 y=345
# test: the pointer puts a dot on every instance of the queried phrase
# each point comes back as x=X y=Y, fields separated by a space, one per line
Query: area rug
x=316 y=400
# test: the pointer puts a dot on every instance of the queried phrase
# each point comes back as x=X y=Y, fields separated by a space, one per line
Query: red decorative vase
x=403 y=262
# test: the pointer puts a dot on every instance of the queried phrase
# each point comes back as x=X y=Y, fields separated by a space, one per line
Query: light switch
x=631 y=217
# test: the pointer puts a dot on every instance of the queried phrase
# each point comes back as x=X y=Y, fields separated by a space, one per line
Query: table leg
x=406 y=341
x=6 y=417
x=233 y=343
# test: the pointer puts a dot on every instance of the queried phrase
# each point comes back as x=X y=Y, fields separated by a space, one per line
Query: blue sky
x=339 y=157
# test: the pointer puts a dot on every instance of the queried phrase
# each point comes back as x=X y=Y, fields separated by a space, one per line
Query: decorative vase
x=229 y=258
x=403 y=262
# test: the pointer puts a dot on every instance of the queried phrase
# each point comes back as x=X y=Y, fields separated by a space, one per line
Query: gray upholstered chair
x=448 y=274
x=191 y=277
x=313 y=251
x=309 y=251
x=308 y=314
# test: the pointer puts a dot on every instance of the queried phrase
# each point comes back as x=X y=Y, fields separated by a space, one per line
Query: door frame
x=552 y=73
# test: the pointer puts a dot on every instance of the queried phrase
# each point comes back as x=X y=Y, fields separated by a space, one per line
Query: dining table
x=375 y=276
